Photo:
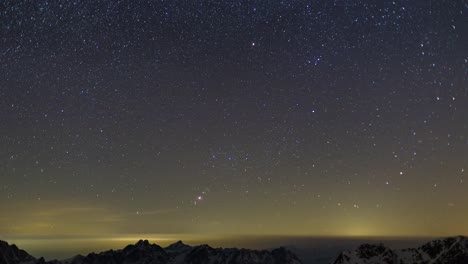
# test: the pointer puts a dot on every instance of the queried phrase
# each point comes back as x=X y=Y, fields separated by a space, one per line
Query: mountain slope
x=453 y=250
x=179 y=253
x=206 y=254
x=10 y=254
x=177 y=248
x=145 y=253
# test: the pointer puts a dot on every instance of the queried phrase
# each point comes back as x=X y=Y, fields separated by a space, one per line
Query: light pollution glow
x=48 y=219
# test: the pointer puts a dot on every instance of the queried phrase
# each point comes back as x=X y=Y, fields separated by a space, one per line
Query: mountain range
x=144 y=252
x=452 y=250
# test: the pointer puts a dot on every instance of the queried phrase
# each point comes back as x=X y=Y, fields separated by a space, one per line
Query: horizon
x=64 y=248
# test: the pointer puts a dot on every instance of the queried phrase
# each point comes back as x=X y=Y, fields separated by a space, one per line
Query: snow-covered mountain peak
x=366 y=254
x=452 y=250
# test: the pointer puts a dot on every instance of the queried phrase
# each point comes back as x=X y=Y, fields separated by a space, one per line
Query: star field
x=328 y=118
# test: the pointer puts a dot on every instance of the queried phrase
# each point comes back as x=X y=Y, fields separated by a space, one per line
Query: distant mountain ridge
x=144 y=252
x=452 y=250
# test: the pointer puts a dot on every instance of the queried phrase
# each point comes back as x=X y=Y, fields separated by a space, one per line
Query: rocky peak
x=3 y=244
x=436 y=247
x=13 y=254
x=452 y=250
x=143 y=252
x=178 y=246
x=143 y=244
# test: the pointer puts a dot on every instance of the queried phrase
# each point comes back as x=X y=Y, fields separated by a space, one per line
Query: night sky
x=201 y=118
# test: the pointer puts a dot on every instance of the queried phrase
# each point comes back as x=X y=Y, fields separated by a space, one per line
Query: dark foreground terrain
x=453 y=250
x=145 y=253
